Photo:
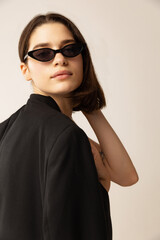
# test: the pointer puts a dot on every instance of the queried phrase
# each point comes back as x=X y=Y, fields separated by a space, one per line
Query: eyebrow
x=48 y=44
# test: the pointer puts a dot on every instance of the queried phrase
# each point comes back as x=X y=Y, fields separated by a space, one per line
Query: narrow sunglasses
x=47 y=54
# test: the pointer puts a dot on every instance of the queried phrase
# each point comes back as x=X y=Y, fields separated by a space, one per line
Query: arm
x=73 y=207
x=102 y=171
x=117 y=161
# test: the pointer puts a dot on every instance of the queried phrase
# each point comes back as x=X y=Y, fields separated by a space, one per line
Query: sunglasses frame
x=30 y=53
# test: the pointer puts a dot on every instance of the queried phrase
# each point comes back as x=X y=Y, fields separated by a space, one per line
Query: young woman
x=54 y=180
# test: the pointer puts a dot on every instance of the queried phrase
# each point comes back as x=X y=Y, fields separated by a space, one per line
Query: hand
x=99 y=160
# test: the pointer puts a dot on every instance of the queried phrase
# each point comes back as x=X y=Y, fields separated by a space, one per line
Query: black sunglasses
x=47 y=54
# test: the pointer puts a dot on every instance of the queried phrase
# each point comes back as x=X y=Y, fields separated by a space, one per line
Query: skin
x=116 y=164
x=101 y=165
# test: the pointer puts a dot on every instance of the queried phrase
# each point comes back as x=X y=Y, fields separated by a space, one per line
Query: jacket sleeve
x=73 y=207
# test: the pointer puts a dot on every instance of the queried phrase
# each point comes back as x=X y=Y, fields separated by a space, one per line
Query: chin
x=64 y=91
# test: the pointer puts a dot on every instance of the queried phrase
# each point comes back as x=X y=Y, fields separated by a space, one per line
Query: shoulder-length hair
x=89 y=96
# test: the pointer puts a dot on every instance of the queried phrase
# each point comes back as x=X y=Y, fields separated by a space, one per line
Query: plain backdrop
x=124 y=40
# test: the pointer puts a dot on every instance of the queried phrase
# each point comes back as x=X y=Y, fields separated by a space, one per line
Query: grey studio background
x=124 y=40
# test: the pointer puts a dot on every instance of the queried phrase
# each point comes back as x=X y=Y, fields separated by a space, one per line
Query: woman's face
x=41 y=73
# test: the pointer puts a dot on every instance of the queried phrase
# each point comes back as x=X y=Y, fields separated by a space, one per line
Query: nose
x=59 y=59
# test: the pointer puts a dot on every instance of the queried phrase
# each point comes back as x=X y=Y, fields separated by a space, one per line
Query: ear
x=25 y=71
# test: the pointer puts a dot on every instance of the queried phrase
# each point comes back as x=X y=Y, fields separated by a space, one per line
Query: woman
x=54 y=181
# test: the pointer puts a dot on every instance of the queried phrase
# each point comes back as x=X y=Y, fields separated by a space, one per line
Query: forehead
x=53 y=33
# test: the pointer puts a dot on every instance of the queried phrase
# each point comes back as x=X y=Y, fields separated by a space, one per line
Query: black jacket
x=49 y=188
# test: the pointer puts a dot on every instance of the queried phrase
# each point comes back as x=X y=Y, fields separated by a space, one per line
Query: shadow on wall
x=157 y=238
x=158 y=3
x=2 y=1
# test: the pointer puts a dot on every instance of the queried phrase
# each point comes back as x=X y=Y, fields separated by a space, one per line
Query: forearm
x=120 y=166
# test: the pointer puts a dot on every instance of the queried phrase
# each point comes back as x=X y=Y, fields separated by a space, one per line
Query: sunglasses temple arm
x=25 y=56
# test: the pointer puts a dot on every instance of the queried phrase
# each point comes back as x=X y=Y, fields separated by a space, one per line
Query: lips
x=58 y=73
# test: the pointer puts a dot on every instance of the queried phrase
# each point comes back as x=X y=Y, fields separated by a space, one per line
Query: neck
x=64 y=105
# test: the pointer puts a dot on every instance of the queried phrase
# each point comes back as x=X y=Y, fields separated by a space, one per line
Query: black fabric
x=49 y=188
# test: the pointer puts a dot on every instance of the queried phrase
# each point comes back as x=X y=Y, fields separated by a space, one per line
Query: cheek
x=36 y=70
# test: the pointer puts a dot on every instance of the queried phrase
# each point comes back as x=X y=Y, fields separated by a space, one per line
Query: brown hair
x=89 y=96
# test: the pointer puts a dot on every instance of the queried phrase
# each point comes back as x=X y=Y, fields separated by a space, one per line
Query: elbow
x=135 y=179
x=125 y=180
x=131 y=180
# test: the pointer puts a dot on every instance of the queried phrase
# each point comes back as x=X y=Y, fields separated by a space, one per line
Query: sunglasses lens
x=43 y=55
x=72 y=50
